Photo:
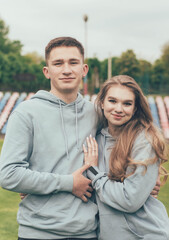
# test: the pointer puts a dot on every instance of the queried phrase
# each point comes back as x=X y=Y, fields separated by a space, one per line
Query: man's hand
x=156 y=189
x=81 y=184
x=22 y=195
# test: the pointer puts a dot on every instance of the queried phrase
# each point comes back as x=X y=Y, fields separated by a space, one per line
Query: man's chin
x=69 y=91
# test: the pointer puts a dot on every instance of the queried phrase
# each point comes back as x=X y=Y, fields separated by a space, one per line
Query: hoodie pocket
x=132 y=230
x=34 y=203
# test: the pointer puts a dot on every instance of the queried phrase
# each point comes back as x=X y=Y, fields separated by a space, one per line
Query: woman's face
x=118 y=105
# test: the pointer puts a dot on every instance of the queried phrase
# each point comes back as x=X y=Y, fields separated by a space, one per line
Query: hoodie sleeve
x=15 y=172
x=130 y=195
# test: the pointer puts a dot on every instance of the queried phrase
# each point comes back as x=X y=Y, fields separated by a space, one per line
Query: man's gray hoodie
x=127 y=211
x=42 y=148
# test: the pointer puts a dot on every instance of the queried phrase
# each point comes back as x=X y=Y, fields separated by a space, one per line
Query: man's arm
x=16 y=174
x=81 y=185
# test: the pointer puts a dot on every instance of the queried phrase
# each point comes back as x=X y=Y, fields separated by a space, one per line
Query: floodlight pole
x=85 y=86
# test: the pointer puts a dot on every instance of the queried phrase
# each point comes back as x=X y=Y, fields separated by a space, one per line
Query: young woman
x=131 y=151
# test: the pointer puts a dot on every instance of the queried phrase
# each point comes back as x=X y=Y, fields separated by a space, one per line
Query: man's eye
x=73 y=63
x=57 y=64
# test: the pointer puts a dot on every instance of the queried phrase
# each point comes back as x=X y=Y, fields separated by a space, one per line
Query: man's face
x=65 y=70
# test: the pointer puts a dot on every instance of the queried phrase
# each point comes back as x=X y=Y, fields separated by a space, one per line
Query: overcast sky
x=113 y=25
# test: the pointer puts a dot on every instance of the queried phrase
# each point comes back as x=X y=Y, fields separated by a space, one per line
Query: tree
x=33 y=57
x=144 y=77
x=128 y=64
x=93 y=75
x=160 y=73
x=6 y=45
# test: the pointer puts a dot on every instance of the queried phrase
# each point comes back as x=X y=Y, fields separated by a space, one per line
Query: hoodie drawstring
x=64 y=131
x=77 y=137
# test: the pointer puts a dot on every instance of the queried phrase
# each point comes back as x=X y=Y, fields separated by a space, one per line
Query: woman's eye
x=128 y=104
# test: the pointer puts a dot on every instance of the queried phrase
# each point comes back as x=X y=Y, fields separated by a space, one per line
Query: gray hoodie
x=42 y=148
x=127 y=211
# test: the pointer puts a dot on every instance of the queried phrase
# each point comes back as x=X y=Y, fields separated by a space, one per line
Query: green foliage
x=93 y=75
x=17 y=72
x=24 y=73
x=6 y=45
x=128 y=64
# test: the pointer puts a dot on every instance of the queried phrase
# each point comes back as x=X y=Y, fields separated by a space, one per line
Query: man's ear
x=85 y=69
x=46 y=72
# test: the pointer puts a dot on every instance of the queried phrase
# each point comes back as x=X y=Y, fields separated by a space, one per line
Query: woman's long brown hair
x=120 y=157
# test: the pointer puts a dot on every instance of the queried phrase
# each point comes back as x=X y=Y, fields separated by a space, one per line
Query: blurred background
x=119 y=36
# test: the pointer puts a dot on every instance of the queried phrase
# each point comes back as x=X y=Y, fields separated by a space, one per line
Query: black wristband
x=93 y=170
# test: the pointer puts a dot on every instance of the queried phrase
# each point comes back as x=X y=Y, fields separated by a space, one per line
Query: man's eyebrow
x=61 y=60
x=74 y=59
x=57 y=60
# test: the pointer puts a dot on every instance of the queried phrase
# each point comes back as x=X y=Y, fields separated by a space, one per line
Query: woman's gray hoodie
x=127 y=211
x=42 y=148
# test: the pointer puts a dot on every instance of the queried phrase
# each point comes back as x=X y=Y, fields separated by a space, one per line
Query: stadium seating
x=8 y=108
x=159 y=108
x=4 y=100
x=154 y=111
x=18 y=101
x=163 y=116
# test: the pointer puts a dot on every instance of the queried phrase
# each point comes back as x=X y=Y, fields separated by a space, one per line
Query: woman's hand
x=91 y=153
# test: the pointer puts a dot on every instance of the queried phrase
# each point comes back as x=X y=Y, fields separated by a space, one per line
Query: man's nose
x=66 y=68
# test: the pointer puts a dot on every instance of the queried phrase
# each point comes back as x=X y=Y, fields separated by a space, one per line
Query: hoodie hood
x=75 y=106
x=105 y=133
x=48 y=96
x=105 y=141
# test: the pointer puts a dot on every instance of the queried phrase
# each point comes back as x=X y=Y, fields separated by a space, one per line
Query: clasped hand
x=82 y=185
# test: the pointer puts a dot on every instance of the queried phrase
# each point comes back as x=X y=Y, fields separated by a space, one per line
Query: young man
x=42 y=155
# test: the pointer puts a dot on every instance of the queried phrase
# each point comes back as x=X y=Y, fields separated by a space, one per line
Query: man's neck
x=67 y=97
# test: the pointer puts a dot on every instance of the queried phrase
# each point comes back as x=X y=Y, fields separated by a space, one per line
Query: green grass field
x=9 y=202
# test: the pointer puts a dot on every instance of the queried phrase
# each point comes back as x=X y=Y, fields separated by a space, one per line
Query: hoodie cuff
x=90 y=174
x=66 y=183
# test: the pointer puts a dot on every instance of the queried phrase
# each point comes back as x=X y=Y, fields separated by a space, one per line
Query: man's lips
x=66 y=79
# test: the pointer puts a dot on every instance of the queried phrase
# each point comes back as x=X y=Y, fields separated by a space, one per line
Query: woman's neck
x=115 y=130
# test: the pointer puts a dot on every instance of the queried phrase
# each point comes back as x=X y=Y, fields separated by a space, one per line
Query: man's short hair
x=63 y=42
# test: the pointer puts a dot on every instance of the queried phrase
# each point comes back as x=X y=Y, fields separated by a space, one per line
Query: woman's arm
x=131 y=194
